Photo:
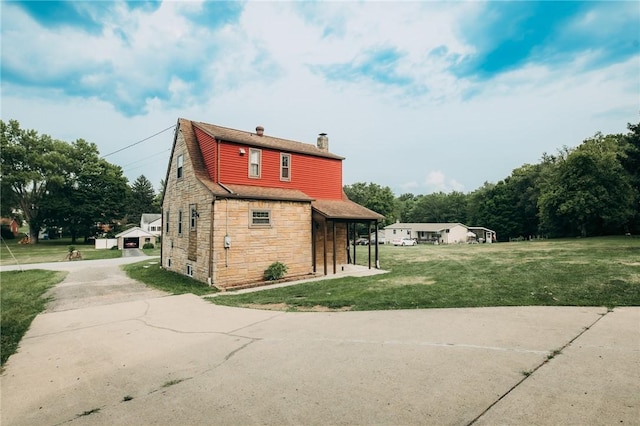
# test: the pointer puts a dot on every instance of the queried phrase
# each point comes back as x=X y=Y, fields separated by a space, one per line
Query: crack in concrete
x=411 y=343
x=546 y=361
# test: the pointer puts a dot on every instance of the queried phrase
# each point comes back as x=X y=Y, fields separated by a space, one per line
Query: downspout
x=211 y=234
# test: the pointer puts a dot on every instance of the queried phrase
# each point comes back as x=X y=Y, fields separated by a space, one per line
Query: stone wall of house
x=253 y=248
x=179 y=195
x=341 y=247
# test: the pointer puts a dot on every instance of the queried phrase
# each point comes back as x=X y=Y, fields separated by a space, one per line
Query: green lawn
x=577 y=272
x=150 y=273
x=21 y=299
x=49 y=251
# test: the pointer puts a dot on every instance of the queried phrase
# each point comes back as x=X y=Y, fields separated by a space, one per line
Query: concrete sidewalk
x=182 y=360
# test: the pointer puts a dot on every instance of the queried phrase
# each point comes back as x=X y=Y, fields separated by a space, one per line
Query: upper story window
x=179 y=222
x=180 y=165
x=166 y=221
x=285 y=167
x=255 y=159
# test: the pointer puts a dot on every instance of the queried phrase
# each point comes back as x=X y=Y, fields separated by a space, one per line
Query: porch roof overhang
x=344 y=210
x=260 y=193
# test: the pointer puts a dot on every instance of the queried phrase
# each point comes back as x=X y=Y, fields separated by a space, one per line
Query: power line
x=140 y=141
x=146 y=158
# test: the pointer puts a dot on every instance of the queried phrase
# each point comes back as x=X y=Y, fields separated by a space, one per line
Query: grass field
x=21 y=299
x=150 y=273
x=577 y=272
x=49 y=251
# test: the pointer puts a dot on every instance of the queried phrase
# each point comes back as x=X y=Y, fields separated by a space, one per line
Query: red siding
x=318 y=177
x=208 y=149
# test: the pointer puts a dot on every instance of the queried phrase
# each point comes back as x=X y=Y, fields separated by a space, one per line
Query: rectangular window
x=285 y=167
x=260 y=218
x=179 y=222
x=189 y=270
x=254 y=162
x=180 y=165
x=166 y=221
x=194 y=216
x=168 y=262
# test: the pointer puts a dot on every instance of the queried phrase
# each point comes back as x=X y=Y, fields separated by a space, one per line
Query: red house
x=11 y=224
x=235 y=202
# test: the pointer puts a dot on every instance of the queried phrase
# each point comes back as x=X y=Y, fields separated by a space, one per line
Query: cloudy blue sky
x=418 y=96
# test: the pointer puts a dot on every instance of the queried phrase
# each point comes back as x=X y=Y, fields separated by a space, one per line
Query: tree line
x=66 y=187
x=590 y=190
x=593 y=189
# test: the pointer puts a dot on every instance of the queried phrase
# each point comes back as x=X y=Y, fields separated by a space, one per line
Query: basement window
x=189 y=270
x=260 y=218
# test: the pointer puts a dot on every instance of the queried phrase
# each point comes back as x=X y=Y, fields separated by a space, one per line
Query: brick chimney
x=323 y=142
x=259 y=130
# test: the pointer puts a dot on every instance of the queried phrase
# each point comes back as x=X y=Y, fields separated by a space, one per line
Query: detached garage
x=134 y=238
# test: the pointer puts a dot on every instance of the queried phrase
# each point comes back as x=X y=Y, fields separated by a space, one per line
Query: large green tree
x=94 y=191
x=440 y=207
x=142 y=199
x=588 y=192
x=30 y=165
x=374 y=197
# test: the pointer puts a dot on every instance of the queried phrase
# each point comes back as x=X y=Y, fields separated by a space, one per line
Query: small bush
x=148 y=246
x=114 y=248
x=275 y=272
x=71 y=249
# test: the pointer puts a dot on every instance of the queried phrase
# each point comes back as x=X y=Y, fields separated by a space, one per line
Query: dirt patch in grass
x=286 y=307
x=410 y=280
x=266 y=306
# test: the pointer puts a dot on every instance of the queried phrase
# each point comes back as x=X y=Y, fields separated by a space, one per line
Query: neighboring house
x=484 y=235
x=152 y=223
x=235 y=202
x=442 y=233
x=134 y=238
x=11 y=224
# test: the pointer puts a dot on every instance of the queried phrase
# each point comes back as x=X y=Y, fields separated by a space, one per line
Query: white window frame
x=284 y=156
x=189 y=270
x=257 y=173
x=180 y=166
x=260 y=218
x=179 y=222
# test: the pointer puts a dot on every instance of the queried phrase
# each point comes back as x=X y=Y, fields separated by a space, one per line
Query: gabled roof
x=425 y=227
x=332 y=209
x=264 y=141
x=150 y=217
x=135 y=232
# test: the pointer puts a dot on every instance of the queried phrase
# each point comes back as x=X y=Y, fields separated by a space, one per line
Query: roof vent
x=323 y=142
x=259 y=130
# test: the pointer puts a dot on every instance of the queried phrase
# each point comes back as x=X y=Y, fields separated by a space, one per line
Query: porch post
x=369 y=228
x=324 y=246
x=335 y=246
x=377 y=253
x=313 y=244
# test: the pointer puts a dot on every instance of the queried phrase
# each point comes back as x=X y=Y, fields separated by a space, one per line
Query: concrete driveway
x=158 y=359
